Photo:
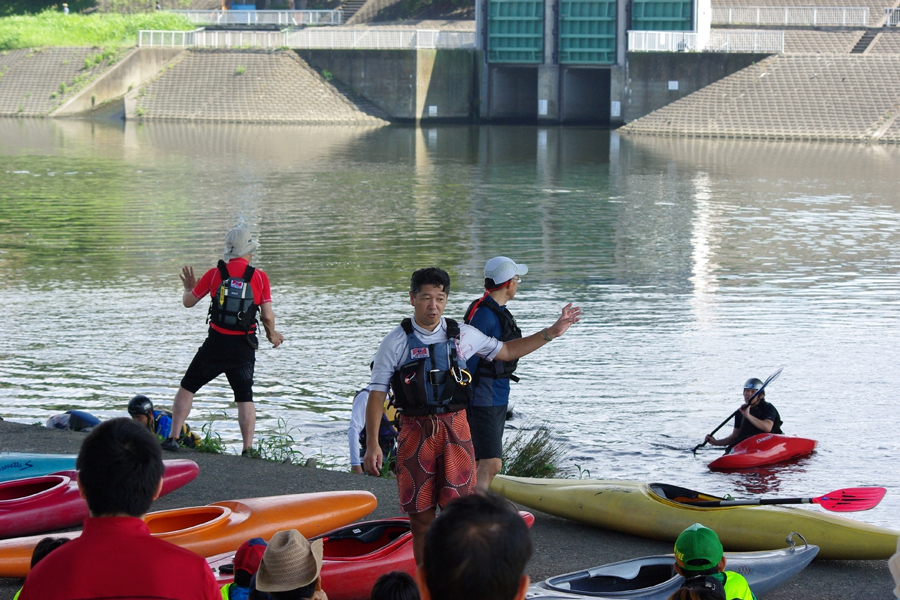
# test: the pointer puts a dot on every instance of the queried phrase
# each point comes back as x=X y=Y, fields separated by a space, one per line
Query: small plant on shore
x=328 y=75
x=27 y=94
x=240 y=70
x=211 y=441
x=21 y=108
x=63 y=87
x=278 y=446
x=140 y=111
x=532 y=452
x=54 y=95
x=583 y=473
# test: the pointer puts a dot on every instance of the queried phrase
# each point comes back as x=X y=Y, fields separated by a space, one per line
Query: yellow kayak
x=659 y=511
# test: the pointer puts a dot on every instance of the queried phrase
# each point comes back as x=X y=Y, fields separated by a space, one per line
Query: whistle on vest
x=409 y=378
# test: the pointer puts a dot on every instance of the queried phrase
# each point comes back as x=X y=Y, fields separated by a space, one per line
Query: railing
x=745 y=41
x=284 y=18
x=771 y=15
x=378 y=39
x=167 y=39
x=320 y=39
x=662 y=41
x=893 y=17
x=719 y=41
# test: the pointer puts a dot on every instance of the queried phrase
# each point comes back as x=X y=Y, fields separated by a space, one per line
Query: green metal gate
x=587 y=32
x=656 y=15
x=516 y=31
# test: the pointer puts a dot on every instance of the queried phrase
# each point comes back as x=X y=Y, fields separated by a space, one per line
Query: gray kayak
x=654 y=578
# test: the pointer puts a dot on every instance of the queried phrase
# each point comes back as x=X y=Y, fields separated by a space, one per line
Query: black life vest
x=388 y=428
x=431 y=381
x=233 y=307
x=509 y=330
x=706 y=582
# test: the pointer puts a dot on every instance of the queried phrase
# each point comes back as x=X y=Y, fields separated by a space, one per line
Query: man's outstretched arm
x=518 y=348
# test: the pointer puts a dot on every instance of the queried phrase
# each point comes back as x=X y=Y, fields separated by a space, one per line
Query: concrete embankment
x=560 y=546
x=839 y=97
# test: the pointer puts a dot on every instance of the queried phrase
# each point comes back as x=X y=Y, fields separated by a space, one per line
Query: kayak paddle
x=771 y=378
x=845 y=500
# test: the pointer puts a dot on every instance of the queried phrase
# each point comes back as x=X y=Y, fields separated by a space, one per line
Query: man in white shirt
x=420 y=360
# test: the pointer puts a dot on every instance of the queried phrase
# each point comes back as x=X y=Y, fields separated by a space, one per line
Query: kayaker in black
x=754 y=418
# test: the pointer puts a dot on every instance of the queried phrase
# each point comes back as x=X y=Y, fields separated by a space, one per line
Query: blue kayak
x=18 y=465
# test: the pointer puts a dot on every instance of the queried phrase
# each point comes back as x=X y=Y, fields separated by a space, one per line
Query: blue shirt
x=488 y=392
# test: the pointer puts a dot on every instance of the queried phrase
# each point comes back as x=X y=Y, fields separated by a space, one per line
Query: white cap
x=501 y=269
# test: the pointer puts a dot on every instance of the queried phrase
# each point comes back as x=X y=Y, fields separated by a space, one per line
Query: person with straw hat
x=290 y=568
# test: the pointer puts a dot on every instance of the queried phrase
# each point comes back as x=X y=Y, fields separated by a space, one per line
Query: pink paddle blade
x=851 y=499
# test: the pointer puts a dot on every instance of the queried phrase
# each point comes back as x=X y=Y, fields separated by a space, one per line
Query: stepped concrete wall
x=648 y=75
x=137 y=67
x=31 y=80
x=407 y=84
x=791 y=96
x=248 y=86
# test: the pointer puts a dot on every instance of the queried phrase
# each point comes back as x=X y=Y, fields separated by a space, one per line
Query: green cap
x=698 y=548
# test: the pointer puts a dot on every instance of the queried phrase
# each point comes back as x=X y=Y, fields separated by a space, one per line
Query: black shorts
x=220 y=353
x=486 y=424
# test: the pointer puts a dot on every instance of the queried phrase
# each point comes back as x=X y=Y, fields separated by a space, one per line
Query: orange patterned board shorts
x=435 y=461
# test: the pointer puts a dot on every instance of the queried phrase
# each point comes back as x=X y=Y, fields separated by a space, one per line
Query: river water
x=697 y=263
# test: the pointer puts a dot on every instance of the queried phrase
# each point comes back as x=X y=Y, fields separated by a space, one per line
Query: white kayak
x=654 y=578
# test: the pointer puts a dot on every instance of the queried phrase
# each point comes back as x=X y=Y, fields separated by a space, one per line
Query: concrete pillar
x=548 y=73
x=702 y=22
x=548 y=93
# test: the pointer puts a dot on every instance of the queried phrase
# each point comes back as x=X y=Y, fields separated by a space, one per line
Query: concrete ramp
x=35 y=82
x=246 y=87
x=803 y=97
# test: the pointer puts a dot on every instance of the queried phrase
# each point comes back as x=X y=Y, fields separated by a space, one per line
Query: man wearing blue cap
x=487 y=411
x=700 y=560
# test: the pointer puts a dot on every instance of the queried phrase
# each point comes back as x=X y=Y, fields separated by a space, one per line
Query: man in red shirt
x=230 y=346
x=120 y=472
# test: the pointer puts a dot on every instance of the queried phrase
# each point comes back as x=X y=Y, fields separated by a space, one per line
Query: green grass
x=211 y=441
x=52 y=28
x=532 y=452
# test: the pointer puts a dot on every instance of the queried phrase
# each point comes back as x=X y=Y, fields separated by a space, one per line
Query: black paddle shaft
x=771 y=378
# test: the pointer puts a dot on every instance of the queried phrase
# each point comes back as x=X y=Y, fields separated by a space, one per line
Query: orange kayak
x=223 y=526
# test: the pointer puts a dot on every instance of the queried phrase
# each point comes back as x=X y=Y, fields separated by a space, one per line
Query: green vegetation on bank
x=53 y=28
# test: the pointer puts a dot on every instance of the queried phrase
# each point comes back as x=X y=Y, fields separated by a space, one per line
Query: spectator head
x=500 y=271
x=477 y=549
x=141 y=410
x=290 y=566
x=45 y=547
x=698 y=551
x=429 y=276
x=120 y=469
x=396 y=585
x=246 y=560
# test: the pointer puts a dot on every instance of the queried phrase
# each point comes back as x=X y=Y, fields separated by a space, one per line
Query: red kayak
x=763 y=449
x=354 y=557
x=51 y=502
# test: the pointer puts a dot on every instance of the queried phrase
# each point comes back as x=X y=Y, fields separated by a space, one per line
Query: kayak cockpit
x=362 y=539
x=624 y=577
x=680 y=495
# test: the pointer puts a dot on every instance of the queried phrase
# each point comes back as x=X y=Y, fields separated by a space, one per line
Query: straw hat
x=289 y=562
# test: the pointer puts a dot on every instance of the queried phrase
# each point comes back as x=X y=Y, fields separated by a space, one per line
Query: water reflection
x=698 y=264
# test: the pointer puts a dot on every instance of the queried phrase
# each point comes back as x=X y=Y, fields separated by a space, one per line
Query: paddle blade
x=851 y=499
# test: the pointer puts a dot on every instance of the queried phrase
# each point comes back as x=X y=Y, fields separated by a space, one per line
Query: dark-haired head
x=45 y=547
x=396 y=585
x=477 y=549
x=429 y=276
x=119 y=469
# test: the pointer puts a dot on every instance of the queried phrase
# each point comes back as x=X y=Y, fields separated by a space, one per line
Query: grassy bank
x=52 y=28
